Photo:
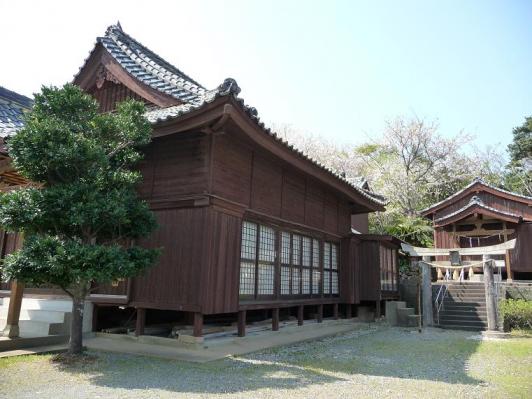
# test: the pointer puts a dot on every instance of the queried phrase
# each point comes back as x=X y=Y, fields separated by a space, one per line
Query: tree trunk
x=76 y=325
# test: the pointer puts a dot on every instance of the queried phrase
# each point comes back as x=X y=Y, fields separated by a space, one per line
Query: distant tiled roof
x=12 y=107
x=149 y=68
x=479 y=181
x=477 y=203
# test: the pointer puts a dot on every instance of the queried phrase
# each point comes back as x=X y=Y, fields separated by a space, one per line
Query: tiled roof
x=477 y=180
x=476 y=202
x=12 y=107
x=149 y=68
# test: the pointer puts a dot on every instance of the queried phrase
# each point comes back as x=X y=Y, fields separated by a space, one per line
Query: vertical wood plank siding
x=176 y=282
x=261 y=183
x=110 y=94
x=221 y=270
x=521 y=255
x=369 y=285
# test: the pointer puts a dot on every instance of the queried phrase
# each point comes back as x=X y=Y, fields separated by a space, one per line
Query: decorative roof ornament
x=475 y=199
x=229 y=86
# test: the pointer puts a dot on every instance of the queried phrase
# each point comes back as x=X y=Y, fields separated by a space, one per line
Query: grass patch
x=10 y=361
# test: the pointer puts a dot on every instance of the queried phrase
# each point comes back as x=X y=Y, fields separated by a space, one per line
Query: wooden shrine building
x=481 y=215
x=247 y=223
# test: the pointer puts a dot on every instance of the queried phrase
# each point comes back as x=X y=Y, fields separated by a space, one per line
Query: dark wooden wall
x=521 y=255
x=360 y=222
x=200 y=263
x=265 y=185
x=174 y=167
x=176 y=282
x=369 y=281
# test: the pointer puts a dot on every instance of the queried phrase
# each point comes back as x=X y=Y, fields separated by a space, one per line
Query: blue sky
x=335 y=68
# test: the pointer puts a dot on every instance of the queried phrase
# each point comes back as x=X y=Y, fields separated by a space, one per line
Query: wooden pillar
x=300 y=315
x=335 y=311
x=319 y=315
x=509 y=273
x=491 y=295
x=348 y=311
x=426 y=292
x=11 y=329
x=471 y=273
x=141 y=322
x=275 y=319
x=378 y=309
x=242 y=323
x=198 y=324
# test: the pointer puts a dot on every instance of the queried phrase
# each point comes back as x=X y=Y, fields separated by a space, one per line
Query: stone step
x=460 y=327
x=51 y=316
x=403 y=316
x=457 y=307
x=462 y=319
x=462 y=322
x=467 y=312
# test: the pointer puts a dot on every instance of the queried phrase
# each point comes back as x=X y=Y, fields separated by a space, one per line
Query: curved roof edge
x=480 y=182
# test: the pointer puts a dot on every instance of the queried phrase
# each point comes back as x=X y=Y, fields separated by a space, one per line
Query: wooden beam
x=300 y=315
x=275 y=319
x=509 y=273
x=198 y=324
x=141 y=322
x=242 y=323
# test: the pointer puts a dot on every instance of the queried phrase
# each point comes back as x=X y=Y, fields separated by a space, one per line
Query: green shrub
x=516 y=314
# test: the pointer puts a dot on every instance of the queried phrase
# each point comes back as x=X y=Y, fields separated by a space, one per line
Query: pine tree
x=81 y=215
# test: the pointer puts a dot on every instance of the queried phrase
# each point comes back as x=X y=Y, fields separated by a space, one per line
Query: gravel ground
x=371 y=362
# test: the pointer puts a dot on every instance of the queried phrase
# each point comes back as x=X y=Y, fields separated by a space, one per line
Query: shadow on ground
x=388 y=352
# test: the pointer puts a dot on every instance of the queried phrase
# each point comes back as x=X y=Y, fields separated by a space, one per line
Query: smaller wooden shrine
x=481 y=215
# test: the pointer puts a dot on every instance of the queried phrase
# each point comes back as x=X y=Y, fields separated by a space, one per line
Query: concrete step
x=403 y=316
x=51 y=316
x=59 y=305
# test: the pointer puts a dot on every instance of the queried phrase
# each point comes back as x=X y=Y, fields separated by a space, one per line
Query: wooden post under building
x=319 y=314
x=141 y=322
x=275 y=319
x=300 y=315
x=198 y=324
x=242 y=323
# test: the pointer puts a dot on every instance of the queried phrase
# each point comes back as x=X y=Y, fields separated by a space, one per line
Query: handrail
x=442 y=292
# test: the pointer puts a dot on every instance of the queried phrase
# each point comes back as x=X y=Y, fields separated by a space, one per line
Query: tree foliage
x=412 y=165
x=519 y=170
x=81 y=215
